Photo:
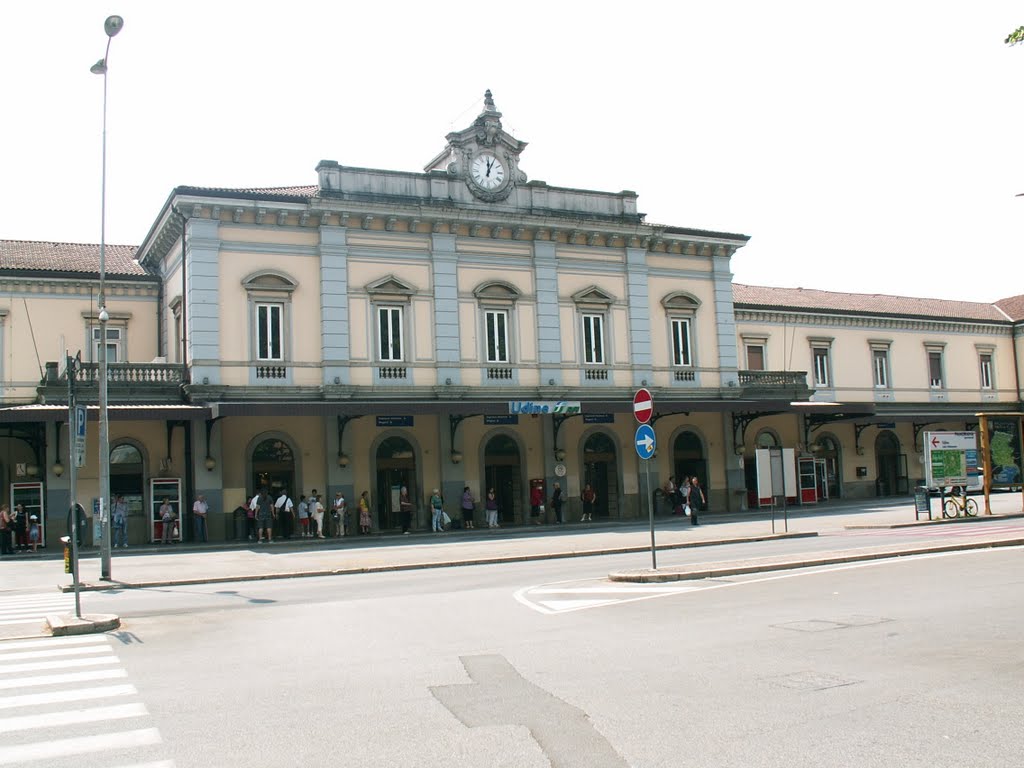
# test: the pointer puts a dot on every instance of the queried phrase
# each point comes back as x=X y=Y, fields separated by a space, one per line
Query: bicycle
x=958 y=502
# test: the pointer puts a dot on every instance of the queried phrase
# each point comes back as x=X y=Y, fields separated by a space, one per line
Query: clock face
x=487 y=171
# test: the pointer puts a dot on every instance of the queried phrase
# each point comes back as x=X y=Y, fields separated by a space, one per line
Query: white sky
x=867 y=147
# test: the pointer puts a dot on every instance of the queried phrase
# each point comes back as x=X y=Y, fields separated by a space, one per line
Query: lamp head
x=99 y=68
x=113 y=25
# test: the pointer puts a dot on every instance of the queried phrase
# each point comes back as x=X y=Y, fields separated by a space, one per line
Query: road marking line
x=50 y=642
x=72 y=717
x=608 y=590
x=157 y=764
x=63 y=697
x=53 y=653
x=32 y=599
x=28 y=620
x=46 y=750
x=564 y=606
x=38 y=666
x=70 y=677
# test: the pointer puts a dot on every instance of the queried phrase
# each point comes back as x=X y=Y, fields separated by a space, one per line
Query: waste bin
x=240 y=526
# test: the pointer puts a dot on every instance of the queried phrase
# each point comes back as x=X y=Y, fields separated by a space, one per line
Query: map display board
x=1004 y=451
x=950 y=457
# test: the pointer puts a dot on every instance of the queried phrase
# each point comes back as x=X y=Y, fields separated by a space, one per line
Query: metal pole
x=650 y=509
x=111 y=26
x=73 y=478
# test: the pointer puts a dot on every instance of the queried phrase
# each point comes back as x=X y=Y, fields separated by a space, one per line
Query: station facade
x=463 y=326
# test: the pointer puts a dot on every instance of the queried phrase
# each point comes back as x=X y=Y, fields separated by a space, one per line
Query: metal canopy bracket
x=558 y=419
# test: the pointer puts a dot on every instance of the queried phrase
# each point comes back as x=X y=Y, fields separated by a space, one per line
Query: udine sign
x=535 y=407
x=950 y=457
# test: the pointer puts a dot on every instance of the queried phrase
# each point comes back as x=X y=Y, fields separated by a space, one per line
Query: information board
x=950 y=458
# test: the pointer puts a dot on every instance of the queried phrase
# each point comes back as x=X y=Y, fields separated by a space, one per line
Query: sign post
x=645 y=443
x=76 y=459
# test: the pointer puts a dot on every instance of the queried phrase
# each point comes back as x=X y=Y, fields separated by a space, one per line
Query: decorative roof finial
x=489 y=101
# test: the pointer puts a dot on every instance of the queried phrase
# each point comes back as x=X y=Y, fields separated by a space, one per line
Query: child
x=33 y=531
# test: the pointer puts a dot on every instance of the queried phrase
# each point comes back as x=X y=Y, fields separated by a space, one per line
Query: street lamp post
x=111 y=26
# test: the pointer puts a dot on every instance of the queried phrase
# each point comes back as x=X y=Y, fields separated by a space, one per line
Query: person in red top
x=536 y=501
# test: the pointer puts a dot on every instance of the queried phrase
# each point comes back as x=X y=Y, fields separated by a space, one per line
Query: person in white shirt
x=340 y=510
x=199 y=510
x=285 y=513
x=316 y=511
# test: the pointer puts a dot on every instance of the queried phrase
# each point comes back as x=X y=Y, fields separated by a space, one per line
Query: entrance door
x=887 y=455
x=127 y=479
x=273 y=468
x=688 y=461
x=600 y=470
x=396 y=466
x=503 y=473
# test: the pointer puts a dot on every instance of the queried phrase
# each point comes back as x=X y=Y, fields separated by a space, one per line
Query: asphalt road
x=915 y=661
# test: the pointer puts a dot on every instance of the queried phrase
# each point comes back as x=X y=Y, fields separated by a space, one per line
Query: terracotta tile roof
x=861 y=303
x=299 y=193
x=1013 y=306
x=29 y=255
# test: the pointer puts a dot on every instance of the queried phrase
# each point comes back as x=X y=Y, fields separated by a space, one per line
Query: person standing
x=339 y=510
x=468 y=508
x=265 y=514
x=405 y=509
x=303 y=517
x=250 y=516
x=5 y=530
x=34 y=532
x=119 y=517
x=556 y=502
x=364 y=512
x=199 y=510
x=684 y=496
x=492 y=509
x=316 y=513
x=588 y=497
x=697 y=500
x=285 y=513
x=20 y=522
x=437 y=512
x=167 y=521
x=536 y=501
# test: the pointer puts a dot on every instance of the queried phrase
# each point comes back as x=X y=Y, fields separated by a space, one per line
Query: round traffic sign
x=643 y=406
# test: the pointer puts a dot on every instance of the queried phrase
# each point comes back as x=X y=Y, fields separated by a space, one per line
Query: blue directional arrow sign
x=645 y=441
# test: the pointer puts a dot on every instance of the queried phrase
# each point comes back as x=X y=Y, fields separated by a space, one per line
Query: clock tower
x=483 y=156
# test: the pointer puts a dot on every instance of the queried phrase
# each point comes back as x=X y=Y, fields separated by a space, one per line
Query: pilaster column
x=639 y=300
x=725 y=318
x=202 y=270
x=446 y=308
x=549 y=331
x=334 y=319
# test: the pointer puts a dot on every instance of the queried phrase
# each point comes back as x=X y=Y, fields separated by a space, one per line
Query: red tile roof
x=1013 y=306
x=84 y=258
x=750 y=296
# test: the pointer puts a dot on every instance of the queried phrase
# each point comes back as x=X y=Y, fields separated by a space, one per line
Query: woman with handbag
x=437 y=512
x=468 y=508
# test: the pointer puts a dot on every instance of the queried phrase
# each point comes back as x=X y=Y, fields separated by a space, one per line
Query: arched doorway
x=600 y=471
x=273 y=467
x=890 y=464
x=688 y=458
x=503 y=472
x=127 y=478
x=396 y=466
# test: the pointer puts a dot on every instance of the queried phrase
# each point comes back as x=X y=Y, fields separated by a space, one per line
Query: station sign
x=950 y=458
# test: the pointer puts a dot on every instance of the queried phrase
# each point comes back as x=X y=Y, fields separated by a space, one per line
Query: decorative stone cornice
x=868 y=322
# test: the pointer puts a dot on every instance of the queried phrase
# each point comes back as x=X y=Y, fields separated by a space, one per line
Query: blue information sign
x=645 y=441
x=394 y=421
x=492 y=420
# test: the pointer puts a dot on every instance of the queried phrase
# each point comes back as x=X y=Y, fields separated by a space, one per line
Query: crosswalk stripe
x=157 y=764
x=70 y=677
x=26 y=620
x=63 y=697
x=51 y=642
x=72 y=717
x=22 y=616
x=53 y=652
x=8 y=610
x=39 y=666
x=36 y=598
x=46 y=750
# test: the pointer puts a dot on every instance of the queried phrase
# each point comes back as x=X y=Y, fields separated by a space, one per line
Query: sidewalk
x=192 y=564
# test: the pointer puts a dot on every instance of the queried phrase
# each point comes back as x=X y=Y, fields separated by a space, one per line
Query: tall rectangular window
x=497 y=335
x=593 y=339
x=681 y=342
x=821 y=372
x=269 y=332
x=113 y=344
x=755 y=357
x=985 y=359
x=880 y=360
x=935 y=369
x=389 y=334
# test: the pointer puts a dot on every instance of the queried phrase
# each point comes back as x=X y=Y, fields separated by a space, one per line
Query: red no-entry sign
x=643 y=406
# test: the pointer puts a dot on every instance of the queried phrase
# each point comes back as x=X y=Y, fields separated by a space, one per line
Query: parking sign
x=80 y=432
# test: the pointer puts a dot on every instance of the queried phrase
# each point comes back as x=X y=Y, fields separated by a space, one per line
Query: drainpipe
x=186 y=371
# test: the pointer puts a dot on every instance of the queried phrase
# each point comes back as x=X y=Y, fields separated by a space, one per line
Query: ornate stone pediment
x=593 y=296
x=390 y=288
x=485 y=135
x=496 y=292
x=680 y=301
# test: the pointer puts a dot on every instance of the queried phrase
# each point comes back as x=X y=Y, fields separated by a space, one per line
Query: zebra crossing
x=65 y=698
x=956 y=530
x=22 y=613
